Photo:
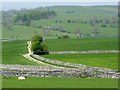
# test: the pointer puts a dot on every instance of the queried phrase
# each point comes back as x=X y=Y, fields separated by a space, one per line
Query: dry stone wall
x=45 y=71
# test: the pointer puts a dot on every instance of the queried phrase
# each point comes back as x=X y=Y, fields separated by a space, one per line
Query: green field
x=19 y=48
x=52 y=82
x=12 y=52
x=19 y=32
x=82 y=44
x=99 y=60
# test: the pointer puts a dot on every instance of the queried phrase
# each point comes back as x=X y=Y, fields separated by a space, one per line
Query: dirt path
x=32 y=59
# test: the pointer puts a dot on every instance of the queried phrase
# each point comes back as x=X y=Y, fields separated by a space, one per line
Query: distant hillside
x=75 y=21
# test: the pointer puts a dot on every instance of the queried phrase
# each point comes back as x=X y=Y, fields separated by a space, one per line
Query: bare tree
x=78 y=33
x=96 y=31
x=8 y=22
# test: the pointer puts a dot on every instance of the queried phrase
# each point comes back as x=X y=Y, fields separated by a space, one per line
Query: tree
x=73 y=21
x=63 y=37
x=16 y=37
x=61 y=29
x=8 y=22
x=45 y=48
x=107 y=21
x=37 y=38
x=33 y=14
x=8 y=19
x=69 y=21
x=27 y=22
x=103 y=25
x=56 y=21
x=96 y=31
x=93 y=21
x=20 y=22
x=38 y=47
x=60 y=21
x=35 y=32
x=78 y=33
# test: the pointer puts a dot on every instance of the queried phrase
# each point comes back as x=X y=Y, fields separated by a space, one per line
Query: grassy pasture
x=82 y=44
x=25 y=33
x=52 y=82
x=108 y=60
x=12 y=52
x=20 y=32
x=84 y=28
x=90 y=11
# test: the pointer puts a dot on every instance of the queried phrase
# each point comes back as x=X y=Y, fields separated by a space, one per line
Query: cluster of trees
x=58 y=21
x=64 y=37
x=38 y=47
x=103 y=22
x=112 y=22
x=61 y=29
x=77 y=21
x=26 y=16
x=58 y=28
x=96 y=31
x=71 y=21
x=70 y=12
x=8 y=22
x=78 y=33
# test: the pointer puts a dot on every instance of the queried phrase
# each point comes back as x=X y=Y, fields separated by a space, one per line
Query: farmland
x=82 y=44
x=99 y=60
x=12 y=52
